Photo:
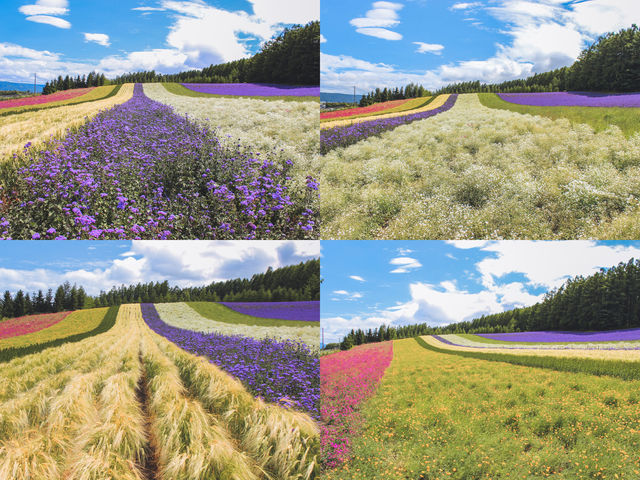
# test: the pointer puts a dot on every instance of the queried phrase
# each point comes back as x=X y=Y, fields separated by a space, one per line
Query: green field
x=627 y=119
x=221 y=313
x=443 y=416
x=179 y=89
x=76 y=326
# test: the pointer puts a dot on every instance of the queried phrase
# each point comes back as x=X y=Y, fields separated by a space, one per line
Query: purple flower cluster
x=573 y=99
x=139 y=170
x=254 y=89
x=549 y=336
x=287 y=373
x=302 y=311
x=331 y=138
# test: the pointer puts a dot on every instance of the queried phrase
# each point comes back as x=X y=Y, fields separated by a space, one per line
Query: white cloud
x=465 y=6
x=183 y=263
x=323 y=39
x=405 y=251
x=379 y=33
x=53 y=21
x=148 y=9
x=345 y=295
x=286 y=11
x=376 y=21
x=357 y=277
x=46 y=7
x=405 y=264
x=99 y=38
x=434 y=48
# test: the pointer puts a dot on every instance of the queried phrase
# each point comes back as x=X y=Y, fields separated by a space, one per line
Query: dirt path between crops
x=149 y=467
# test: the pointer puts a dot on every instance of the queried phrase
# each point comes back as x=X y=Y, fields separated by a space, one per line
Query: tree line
x=293 y=57
x=92 y=80
x=607 y=300
x=387 y=94
x=291 y=283
x=610 y=64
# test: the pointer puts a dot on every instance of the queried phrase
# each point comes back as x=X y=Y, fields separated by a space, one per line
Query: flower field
x=537 y=337
x=253 y=89
x=437 y=415
x=28 y=324
x=350 y=112
x=141 y=171
x=332 y=137
x=478 y=172
x=301 y=311
x=35 y=127
x=286 y=129
x=348 y=379
x=573 y=99
x=182 y=316
x=418 y=104
x=286 y=373
x=133 y=406
x=42 y=99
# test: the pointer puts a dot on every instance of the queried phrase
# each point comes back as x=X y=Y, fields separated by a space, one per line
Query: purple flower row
x=560 y=336
x=573 y=99
x=139 y=170
x=254 y=89
x=308 y=311
x=331 y=138
x=287 y=373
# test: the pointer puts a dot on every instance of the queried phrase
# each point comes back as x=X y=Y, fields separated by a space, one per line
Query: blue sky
x=435 y=42
x=57 y=37
x=368 y=283
x=98 y=265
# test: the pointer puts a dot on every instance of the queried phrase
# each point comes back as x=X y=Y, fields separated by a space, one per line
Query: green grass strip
x=613 y=368
x=106 y=324
x=45 y=106
x=599 y=118
x=179 y=89
x=222 y=313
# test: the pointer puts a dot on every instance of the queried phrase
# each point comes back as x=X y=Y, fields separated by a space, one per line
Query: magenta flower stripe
x=29 y=324
x=347 y=379
x=40 y=99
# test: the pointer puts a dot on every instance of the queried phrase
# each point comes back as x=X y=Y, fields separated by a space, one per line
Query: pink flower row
x=347 y=379
x=29 y=324
x=39 y=99
x=376 y=107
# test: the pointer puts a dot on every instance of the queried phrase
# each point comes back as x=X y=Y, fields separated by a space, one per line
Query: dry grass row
x=110 y=406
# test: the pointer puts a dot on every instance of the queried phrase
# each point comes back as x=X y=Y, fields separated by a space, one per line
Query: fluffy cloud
x=47 y=11
x=465 y=6
x=357 y=277
x=404 y=264
x=99 y=38
x=183 y=263
x=434 y=48
x=376 y=21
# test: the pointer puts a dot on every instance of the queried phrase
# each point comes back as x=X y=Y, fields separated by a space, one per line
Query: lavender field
x=573 y=99
x=140 y=171
x=557 y=336
x=287 y=373
x=308 y=311
x=254 y=89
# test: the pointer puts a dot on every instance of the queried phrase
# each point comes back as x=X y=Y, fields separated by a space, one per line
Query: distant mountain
x=23 y=87
x=338 y=97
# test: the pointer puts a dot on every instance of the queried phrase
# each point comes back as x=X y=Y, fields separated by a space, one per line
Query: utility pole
x=323 y=338
x=35 y=76
x=354 y=94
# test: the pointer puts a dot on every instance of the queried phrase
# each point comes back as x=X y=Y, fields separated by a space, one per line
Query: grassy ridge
x=600 y=118
x=614 y=368
x=71 y=329
x=438 y=417
x=222 y=313
x=98 y=93
x=179 y=89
